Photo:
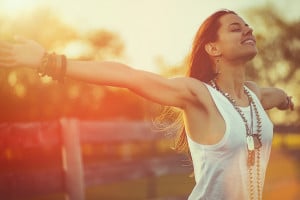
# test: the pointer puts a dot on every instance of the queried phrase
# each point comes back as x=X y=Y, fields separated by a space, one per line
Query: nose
x=248 y=30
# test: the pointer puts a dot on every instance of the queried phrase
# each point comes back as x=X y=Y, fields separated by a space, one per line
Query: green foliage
x=278 y=42
x=277 y=63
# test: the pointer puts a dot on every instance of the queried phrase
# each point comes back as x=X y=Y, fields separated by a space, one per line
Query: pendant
x=251 y=158
x=253 y=142
x=257 y=141
x=250 y=142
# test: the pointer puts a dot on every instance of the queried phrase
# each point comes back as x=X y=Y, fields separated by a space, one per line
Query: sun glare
x=16 y=7
x=78 y=48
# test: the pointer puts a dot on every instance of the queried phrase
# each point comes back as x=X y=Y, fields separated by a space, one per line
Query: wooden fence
x=72 y=178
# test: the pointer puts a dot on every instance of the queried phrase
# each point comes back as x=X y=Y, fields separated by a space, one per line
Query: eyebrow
x=237 y=23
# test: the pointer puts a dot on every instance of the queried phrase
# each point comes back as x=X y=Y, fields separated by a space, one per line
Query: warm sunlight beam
x=15 y=7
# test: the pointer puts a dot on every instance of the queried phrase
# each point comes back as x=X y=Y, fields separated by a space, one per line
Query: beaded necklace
x=253 y=140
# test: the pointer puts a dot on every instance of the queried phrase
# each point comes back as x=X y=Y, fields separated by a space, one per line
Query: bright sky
x=149 y=28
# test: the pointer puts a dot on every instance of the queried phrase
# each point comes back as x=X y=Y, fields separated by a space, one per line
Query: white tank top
x=221 y=171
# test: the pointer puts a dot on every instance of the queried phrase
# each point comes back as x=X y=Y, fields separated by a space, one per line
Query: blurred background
x=150 y=35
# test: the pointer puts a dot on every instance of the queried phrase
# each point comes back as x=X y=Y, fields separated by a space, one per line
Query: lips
x=250 y=41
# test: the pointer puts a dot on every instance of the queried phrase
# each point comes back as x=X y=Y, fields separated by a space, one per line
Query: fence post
x=72 y=160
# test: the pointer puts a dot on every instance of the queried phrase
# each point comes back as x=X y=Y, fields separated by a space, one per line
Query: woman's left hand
x=290 y=103
x=22 y=53
x=287 y=105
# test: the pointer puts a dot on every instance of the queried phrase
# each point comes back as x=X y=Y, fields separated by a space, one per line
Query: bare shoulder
x=191 y=83
x=254 y=88
x=195 y=85
x=198 y=90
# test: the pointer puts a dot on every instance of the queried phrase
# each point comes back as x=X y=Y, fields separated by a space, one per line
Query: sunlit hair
x=200 y=67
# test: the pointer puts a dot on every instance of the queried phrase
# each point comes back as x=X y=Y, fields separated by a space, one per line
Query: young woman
x=226 y=128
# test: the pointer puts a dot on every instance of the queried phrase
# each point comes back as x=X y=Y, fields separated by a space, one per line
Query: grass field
x=167 y=187
x=282 y=180
x=282 y=183
x=283 y=176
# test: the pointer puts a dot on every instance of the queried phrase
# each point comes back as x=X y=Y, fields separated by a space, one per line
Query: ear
x=212 y=49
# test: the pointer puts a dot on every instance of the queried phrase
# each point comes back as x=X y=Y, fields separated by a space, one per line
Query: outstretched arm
x=275 y=97
x=172 y=92
x=272 y=97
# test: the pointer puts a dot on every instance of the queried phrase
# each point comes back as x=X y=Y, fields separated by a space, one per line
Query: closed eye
x=235 y=27
x=236 y=30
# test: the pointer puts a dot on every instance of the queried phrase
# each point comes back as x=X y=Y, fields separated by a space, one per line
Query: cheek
x=229 y=47
x=229 y=43
x=232 y=52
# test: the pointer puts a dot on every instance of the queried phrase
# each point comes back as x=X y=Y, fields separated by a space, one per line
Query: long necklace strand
x=253 y=141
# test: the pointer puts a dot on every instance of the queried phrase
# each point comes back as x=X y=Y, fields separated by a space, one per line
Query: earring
x=217 y=68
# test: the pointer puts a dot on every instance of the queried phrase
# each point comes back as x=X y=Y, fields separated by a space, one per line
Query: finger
x=291 y=103
x=292 y=106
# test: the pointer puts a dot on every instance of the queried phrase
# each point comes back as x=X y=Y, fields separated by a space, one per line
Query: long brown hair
x=200 y=66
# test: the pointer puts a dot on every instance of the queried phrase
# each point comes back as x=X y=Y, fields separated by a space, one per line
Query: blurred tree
x=105 y=44
x=41 y=25
x=277 y=63
x=278 y=42
x=25 y=96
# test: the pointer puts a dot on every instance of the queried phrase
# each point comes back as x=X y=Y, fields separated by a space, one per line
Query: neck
x=231 y=80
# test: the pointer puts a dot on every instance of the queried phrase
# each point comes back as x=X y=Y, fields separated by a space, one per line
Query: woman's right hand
x=21 y=53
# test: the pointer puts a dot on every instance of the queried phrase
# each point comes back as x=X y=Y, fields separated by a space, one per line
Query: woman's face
x=235 y=40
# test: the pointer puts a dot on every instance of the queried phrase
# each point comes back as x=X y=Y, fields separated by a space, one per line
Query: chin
x=250 y=55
